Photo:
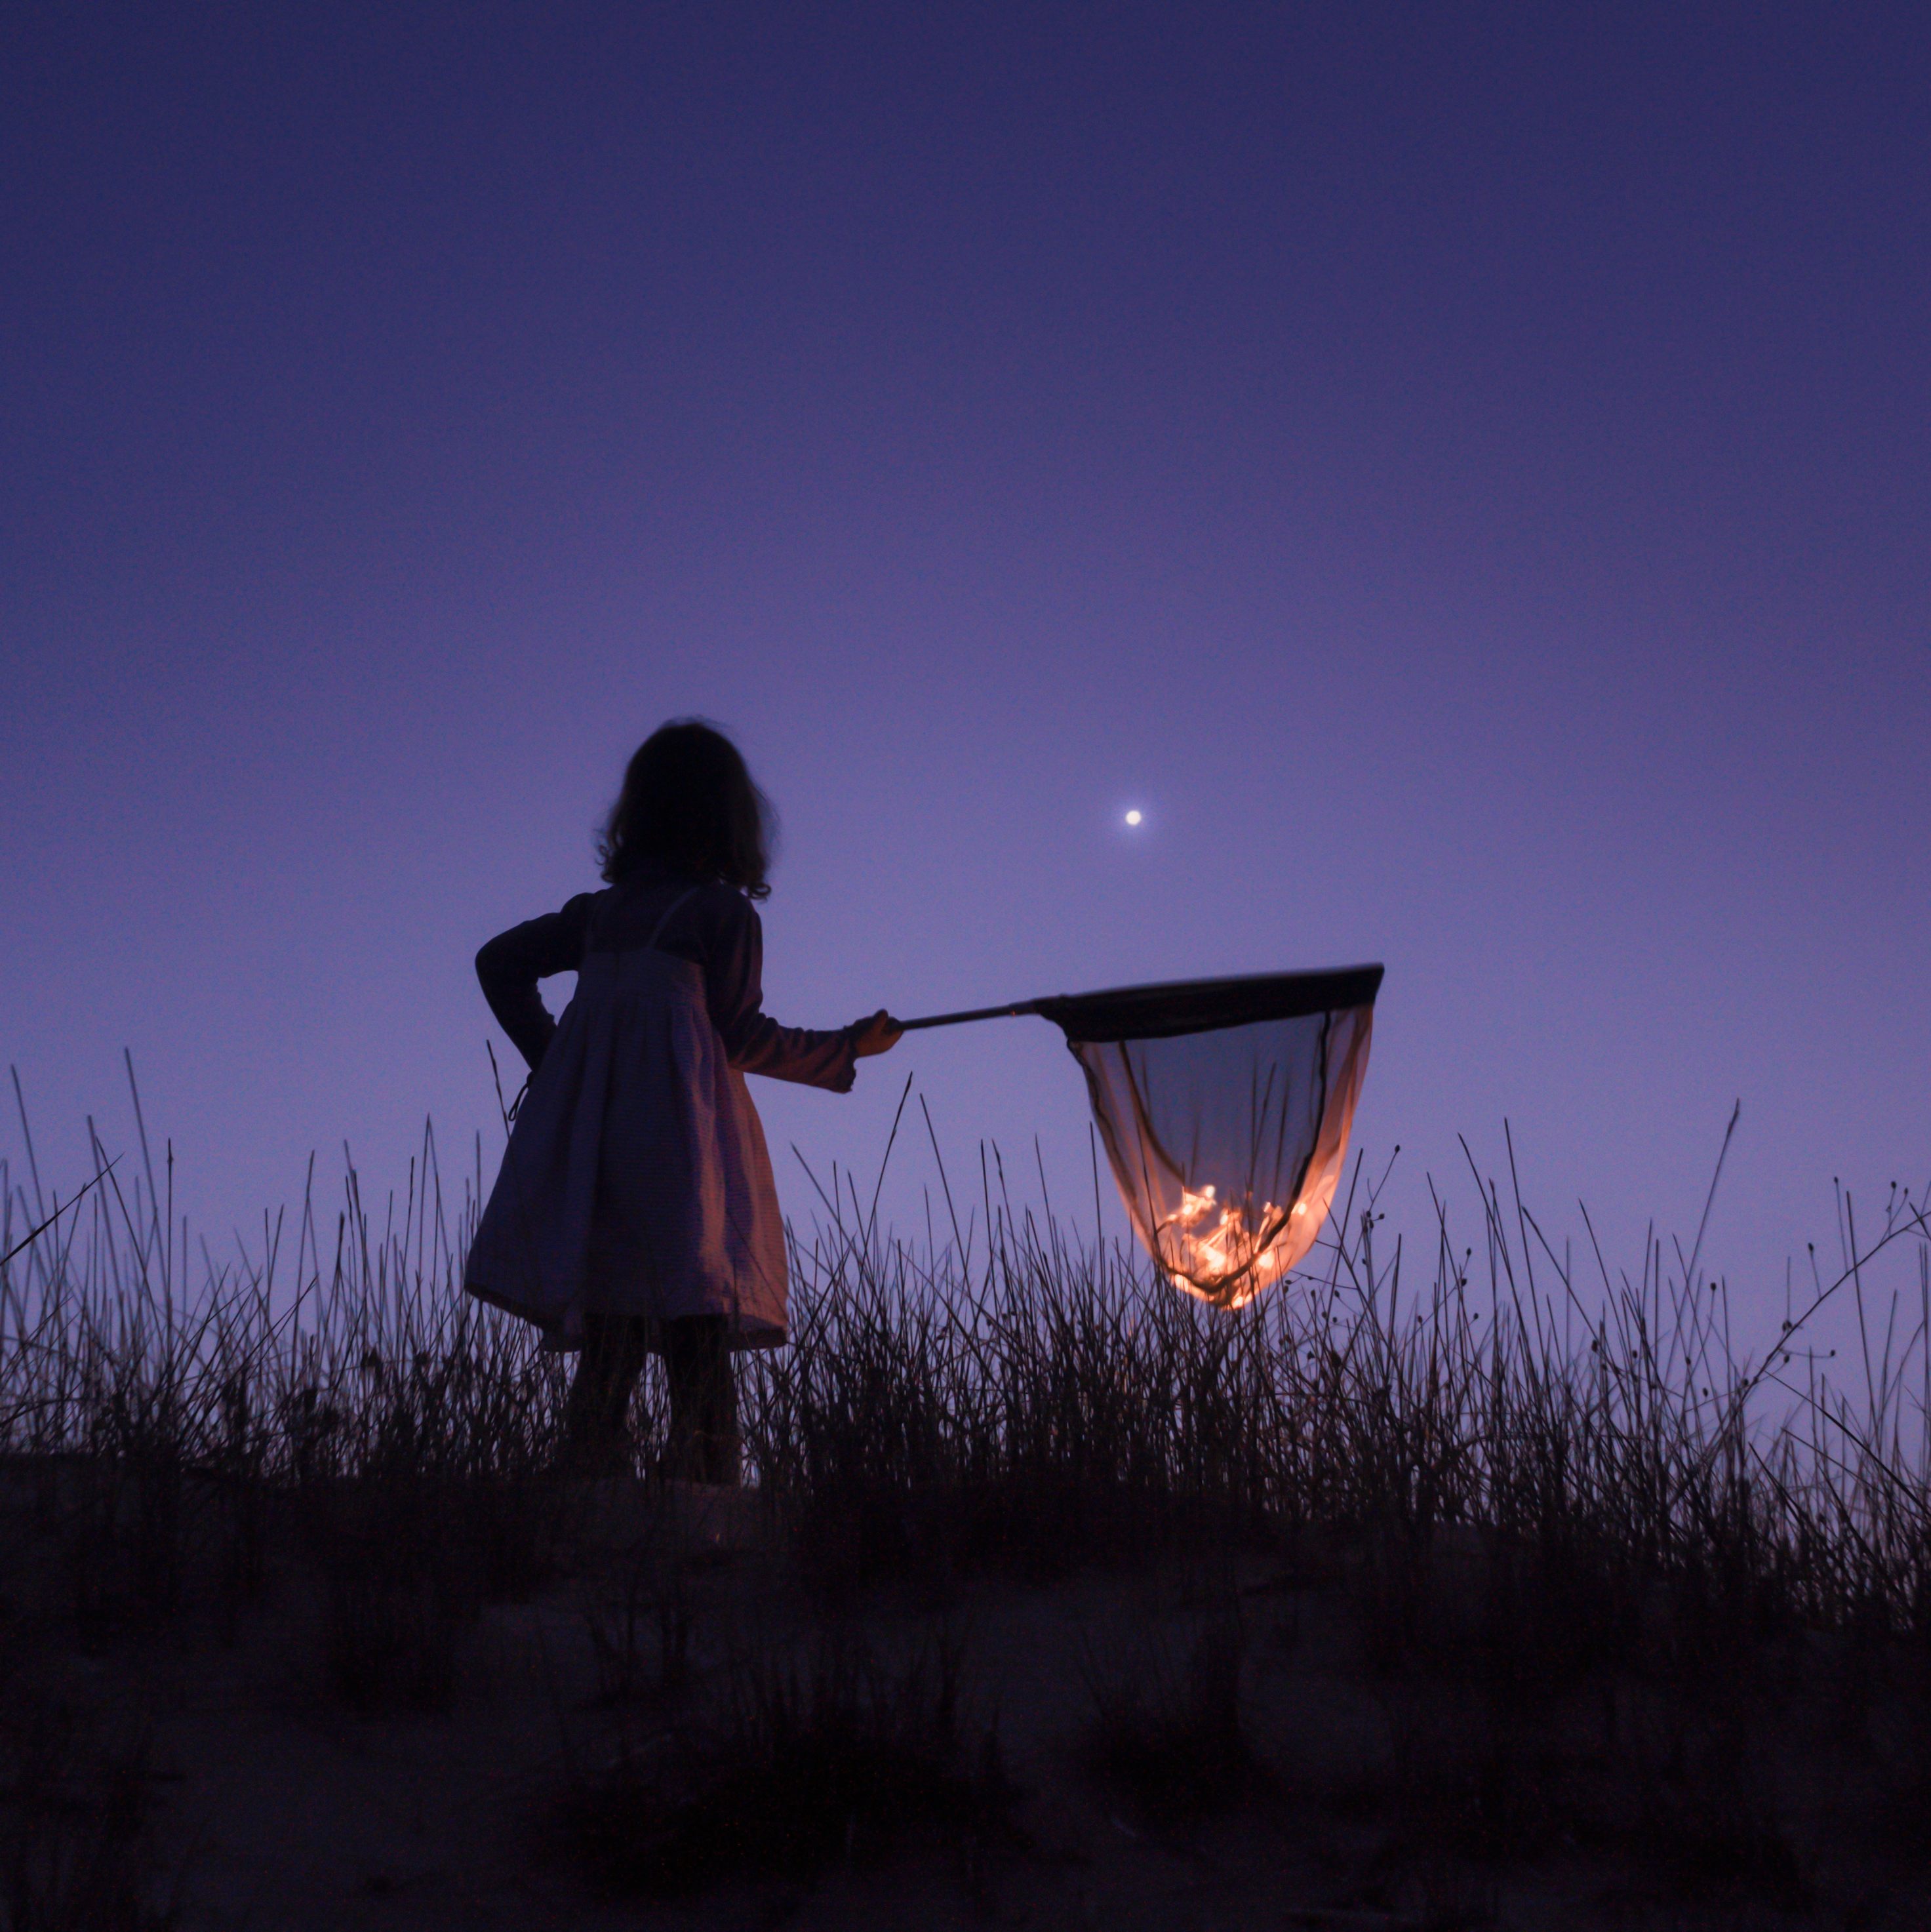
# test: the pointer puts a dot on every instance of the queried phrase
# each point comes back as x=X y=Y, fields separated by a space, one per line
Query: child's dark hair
x=688 y=801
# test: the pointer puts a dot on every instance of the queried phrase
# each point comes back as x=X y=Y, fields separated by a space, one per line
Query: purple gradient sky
x=1463 y=472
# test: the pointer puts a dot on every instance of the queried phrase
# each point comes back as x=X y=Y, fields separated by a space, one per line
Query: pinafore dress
x=636 y=1181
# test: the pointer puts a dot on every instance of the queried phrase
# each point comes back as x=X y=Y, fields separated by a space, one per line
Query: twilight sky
x=1463 y=472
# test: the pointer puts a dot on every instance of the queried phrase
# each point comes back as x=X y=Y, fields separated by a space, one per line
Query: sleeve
x=512 y=963
x=754 y=1042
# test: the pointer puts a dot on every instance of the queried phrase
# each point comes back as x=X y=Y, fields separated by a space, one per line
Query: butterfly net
x=1224 y=1106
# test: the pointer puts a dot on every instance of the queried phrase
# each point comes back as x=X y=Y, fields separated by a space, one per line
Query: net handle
x=977 y=1013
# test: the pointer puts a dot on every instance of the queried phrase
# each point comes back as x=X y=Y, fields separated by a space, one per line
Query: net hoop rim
x=1167 y=1009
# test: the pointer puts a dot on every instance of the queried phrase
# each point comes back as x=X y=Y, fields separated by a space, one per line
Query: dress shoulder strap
x=670 y=912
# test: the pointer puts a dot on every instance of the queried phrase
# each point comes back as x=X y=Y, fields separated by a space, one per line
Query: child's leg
x=594 y=1425
x=704 y=1446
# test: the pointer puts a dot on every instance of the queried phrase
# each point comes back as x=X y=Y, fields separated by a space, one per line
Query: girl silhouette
x=635 y=1210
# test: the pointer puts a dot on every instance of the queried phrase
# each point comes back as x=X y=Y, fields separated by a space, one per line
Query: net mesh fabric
x=1228 y=1142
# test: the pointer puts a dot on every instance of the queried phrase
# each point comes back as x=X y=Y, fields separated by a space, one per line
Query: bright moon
x=1133 y=818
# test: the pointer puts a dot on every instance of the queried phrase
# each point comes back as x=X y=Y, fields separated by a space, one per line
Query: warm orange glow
x=1235 y=1261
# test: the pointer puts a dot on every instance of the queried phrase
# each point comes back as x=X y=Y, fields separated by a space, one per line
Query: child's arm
x=755 y=1043
x=512 y=963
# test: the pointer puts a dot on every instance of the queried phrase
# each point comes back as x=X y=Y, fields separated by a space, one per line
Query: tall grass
x=1019 y=1394
x=1578 y=1530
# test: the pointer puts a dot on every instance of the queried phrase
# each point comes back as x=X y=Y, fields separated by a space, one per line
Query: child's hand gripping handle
x=880 y=1033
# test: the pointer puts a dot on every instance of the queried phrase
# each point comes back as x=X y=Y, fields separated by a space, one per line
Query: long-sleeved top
x=716 y=928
